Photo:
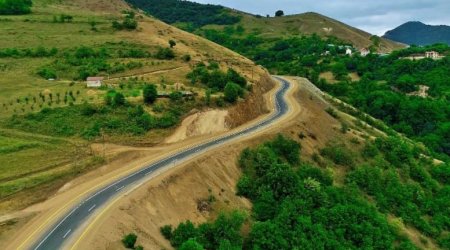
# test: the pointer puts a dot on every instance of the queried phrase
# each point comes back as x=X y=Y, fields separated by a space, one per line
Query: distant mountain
x=419 y=34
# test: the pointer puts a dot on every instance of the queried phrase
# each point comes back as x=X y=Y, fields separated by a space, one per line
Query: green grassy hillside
x=46 y=108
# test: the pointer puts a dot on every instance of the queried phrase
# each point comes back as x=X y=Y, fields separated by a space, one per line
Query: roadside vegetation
x=298 y=205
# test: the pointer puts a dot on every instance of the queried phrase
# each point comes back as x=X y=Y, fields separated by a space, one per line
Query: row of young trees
x=90 y=61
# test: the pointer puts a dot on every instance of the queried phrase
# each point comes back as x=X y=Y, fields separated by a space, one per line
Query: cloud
x=374 y=16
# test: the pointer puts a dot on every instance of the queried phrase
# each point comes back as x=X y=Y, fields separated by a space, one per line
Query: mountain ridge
x=419 y=33
x=307 y=23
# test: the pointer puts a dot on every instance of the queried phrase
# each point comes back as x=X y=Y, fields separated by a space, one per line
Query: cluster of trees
x=22 y=53
x=15 y=7
x=295 y=206
x=406 y=185
x=177 y=11
x=231 y=82
x=383 y=92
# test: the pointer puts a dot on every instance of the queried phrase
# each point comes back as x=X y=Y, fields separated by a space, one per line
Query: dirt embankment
x=254 y=105
x=195 y=192
x=216 y=121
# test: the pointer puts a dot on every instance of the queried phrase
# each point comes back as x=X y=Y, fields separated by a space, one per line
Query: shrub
x=129 y=240
x=166 y=231
x=119 y=99
x=339 y=154
x=232 y=92
x=187 y=58
x=47 y=73
x=165 y=54
x=150 y=93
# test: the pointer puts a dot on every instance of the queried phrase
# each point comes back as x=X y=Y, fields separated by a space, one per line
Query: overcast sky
x=374 y=16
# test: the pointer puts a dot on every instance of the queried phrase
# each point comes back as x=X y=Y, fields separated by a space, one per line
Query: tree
x=119 y=99
x=172 y=43
x=130 y=24
x=150 y=93
x=231 y=92
x=129 y=240
x=279 y=13
x=191 y=244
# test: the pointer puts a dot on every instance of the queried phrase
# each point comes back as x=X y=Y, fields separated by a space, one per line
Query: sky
x=374 y=16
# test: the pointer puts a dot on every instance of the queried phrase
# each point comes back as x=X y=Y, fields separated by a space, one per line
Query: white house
x=432 y=54
x=364 y=52
x=348 y=51
x=94 y=82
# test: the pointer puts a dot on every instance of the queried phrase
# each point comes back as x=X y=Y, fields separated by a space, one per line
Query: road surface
x=59 y=234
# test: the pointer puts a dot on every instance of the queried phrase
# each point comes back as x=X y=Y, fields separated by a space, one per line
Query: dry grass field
x=310 y=23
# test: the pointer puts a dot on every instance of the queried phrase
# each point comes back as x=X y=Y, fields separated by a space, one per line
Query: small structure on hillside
x=432 y=54
x=364 y=52
x=94 y=81
x=348 y=51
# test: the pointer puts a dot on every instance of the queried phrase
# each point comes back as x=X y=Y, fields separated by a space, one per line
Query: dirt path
x=129 y=161
x=147 y=73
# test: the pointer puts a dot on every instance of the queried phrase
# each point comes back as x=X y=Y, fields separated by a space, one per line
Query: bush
x=47 y=73
x=119 y=99
x=339 y=154
x=129 y=240
x=187 y=58
x=150 y=93
x=232 y=92
x=166 y=231
x=165 y=54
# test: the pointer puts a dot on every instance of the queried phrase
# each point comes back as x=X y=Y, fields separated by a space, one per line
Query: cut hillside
x=50 y=119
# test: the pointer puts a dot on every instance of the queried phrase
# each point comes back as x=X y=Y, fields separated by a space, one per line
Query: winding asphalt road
x=58 y=235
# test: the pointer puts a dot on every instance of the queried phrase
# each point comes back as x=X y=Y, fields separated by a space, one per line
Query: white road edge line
x=93 y=206
x=67 y=233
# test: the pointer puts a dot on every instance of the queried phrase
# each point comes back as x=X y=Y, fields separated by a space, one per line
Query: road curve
x=59 y=234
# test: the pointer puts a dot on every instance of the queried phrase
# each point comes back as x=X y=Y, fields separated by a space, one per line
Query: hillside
x=313 y=23
x=418 y=33
x=181 y=14
x=339 y=158
x=50 y=119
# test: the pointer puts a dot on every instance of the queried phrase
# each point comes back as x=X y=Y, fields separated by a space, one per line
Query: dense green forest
x=296 y=205
x=15 y=7
x=193 y=15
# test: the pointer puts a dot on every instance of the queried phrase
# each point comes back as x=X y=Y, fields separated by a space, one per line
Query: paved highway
x=60 y=232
